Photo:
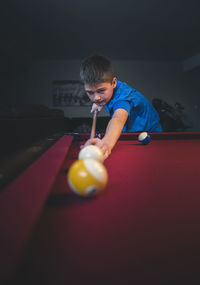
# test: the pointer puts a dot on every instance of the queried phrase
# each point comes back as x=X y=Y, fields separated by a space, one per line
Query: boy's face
x=101 y=93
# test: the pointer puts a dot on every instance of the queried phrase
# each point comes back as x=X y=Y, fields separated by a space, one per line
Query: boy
x=130 y=111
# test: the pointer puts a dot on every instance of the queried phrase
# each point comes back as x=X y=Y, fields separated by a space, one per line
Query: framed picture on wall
x=69 y=93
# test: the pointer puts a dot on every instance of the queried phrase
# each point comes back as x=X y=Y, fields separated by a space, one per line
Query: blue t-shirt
x=141 y=114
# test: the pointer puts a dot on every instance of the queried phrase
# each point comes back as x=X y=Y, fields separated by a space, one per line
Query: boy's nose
x=97 y=98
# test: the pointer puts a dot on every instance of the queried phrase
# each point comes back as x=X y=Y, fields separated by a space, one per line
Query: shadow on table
x=66 y=199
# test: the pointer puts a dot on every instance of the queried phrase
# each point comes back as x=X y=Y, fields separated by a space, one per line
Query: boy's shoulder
x=128 y=93
x=123 y=85
x=122 y=89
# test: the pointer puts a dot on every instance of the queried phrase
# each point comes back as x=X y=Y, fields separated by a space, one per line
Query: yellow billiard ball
x=87 y=177
x=91 y=151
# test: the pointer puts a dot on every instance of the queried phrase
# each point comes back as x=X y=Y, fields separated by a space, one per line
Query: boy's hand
x=95 y=107
x=101 y=144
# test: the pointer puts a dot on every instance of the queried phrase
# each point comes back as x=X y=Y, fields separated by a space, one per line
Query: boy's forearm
x=113 y=131
x=112 y=134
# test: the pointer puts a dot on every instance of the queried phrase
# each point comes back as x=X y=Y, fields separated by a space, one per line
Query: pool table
x=143 y=229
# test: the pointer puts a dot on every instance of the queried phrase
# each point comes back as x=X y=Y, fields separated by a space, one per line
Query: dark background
x=125 y=30
x=154 y=46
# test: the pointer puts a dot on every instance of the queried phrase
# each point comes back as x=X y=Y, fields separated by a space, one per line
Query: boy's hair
x=96 y=69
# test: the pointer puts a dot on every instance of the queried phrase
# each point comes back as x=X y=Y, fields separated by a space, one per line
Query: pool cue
x=92 y=135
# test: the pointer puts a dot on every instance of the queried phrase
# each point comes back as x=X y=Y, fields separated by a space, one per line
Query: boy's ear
x=114 y=82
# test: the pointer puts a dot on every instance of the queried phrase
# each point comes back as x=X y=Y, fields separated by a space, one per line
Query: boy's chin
x=101 y=104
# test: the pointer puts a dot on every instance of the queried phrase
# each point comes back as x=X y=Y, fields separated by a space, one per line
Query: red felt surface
x=144 y=228
x=21 y=203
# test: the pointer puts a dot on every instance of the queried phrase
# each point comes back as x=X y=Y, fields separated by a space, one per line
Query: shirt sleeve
x=122 y=104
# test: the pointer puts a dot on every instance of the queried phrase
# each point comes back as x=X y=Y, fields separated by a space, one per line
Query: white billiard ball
x=144 y=138
x=91 y=151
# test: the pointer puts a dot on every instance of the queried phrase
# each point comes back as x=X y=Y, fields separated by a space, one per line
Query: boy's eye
x=89 y=93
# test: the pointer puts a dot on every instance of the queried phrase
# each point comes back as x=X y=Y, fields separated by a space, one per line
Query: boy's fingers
x=94 y=140
x=105 y=154
x=91 y=141
x=95 y=107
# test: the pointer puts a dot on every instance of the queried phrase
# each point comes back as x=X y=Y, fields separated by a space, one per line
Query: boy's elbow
x=121 y=115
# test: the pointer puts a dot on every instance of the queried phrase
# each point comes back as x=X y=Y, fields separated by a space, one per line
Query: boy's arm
x=112 y=134
x=114 y=128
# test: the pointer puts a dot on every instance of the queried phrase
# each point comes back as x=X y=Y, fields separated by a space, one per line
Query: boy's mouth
x=100 y=103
